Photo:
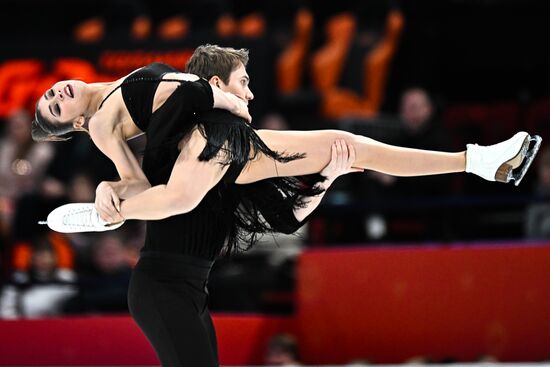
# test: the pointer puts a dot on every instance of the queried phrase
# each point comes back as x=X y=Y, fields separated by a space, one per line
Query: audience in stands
x=41 y=281
x=104 y=287
x=422 y=129
x=358 y=363
x=418 y=127
x=23 y=163
x=282 y=350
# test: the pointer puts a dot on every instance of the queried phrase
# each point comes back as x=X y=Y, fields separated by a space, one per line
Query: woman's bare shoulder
x=181 y=76
x=103 y=122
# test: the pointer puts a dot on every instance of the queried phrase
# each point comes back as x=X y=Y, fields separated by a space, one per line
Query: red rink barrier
x=116 y=340
x=389 y=304
x=381 y=304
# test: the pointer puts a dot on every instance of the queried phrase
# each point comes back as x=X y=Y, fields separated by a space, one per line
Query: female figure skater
x=167 y=295
x=103 y=110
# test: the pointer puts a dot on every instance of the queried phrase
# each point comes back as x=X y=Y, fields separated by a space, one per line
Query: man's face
x=238 y=84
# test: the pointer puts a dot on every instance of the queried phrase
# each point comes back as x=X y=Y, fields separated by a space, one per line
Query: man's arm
x=191 y=179
x=189 y=182
x=199 y=95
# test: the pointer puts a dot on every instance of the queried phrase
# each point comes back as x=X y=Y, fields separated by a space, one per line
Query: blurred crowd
x=283 y=349
x=334 y=66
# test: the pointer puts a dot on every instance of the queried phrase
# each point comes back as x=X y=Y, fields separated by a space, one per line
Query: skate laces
x=79 y=218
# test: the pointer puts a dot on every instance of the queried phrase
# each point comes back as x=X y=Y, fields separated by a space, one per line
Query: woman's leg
x=370 y=154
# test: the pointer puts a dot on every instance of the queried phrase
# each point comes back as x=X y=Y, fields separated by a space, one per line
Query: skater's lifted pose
x=207 y=174
x=108 y=112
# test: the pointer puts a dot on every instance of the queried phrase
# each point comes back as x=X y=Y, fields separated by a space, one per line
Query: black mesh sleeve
x=280 y=196
x=283 y=220
x=197 y=95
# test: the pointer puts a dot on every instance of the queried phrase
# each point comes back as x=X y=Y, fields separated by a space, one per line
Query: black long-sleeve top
x=230 y=216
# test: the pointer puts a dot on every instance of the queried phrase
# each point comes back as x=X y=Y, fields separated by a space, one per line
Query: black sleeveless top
x=230 y=216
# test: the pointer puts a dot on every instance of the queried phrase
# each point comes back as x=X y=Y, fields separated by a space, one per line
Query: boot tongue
x=96 y=219
x=472 y=154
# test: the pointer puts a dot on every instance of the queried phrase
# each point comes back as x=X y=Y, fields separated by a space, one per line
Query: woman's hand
x=341 y=162
x=107 y=203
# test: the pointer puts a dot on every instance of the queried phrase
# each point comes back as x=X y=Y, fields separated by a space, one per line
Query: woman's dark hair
x=45 y=130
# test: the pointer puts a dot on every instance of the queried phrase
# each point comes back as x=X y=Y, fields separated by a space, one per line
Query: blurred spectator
x=81 y=188
x=416 y=109
x=104 y=288
x=22 y=164
x=41 y=289
x=487 y=359
x=282 y=350
x=273 y=121
x=358 y=363
x=54 y=192
x=133 y=233
x=537 y=220
x=419 y=360
x=420 y=130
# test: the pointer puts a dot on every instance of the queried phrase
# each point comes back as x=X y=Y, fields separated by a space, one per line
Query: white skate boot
x=78 y=217
x=505 y=161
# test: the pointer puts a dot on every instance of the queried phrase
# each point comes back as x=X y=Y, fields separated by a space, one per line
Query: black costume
x=168 y=295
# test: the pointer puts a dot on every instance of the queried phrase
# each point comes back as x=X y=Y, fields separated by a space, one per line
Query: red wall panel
x=389 y=304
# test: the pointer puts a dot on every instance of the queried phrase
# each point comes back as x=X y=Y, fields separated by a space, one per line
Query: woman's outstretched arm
x=370 y=154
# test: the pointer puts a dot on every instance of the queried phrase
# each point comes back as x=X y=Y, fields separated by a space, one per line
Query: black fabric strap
x=134 y=80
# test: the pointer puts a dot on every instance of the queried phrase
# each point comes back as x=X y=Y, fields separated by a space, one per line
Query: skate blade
x=504 y=172
x=518 y=159
x=529 y=157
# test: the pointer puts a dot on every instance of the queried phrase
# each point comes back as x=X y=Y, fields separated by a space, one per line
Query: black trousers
x=168 y=299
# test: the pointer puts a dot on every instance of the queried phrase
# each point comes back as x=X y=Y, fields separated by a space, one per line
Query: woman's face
x=64 y=101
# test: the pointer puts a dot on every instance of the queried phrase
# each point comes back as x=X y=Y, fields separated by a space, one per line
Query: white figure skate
x=503 y=162
x=78 y=217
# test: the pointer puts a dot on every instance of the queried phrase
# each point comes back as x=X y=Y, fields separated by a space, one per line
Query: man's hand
x=107 y=203
x=341 y=162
